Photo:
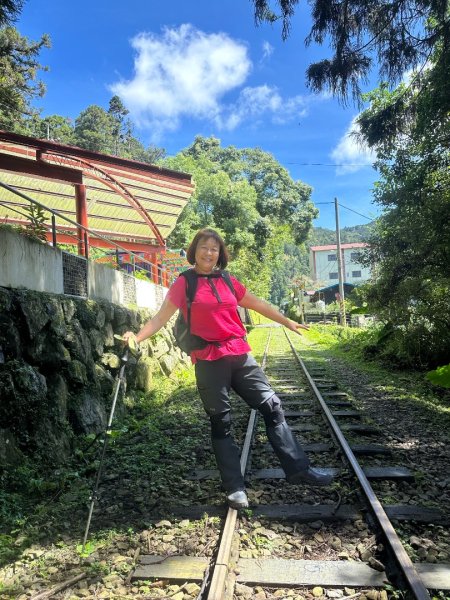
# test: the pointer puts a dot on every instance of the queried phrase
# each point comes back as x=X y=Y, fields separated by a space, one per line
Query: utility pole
x=340 y=267
x=298 y=287
x=301 y=299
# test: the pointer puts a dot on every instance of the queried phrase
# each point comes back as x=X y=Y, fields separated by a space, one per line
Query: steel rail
x=220 y=569
x=413 y=579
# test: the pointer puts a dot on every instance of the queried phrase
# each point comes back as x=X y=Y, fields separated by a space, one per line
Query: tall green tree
x=94 y=130
x=410 y=249
x=394 y=35
x=248 y=196
x=118 y=112
x=19 y=84
x=279 y=196
x=110 y=132
x=9 y=11
x=218 y=201
x=280 y=199
x=54 y=127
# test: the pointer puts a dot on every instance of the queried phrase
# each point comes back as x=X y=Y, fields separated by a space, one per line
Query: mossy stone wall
x=58 y=365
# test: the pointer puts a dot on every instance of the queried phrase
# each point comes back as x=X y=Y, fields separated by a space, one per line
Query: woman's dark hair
x=207 y=233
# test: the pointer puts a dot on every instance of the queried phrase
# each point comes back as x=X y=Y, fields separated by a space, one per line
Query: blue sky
x=204 y=68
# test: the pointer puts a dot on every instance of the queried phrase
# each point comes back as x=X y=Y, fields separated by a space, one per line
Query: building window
x=332 y=257
x=334 y=276
x=354 y=256
x=356 y=273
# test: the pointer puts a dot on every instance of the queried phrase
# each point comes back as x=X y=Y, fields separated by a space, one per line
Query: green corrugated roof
x=162 y=193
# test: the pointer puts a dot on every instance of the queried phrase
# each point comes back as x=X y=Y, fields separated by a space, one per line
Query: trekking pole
x=131 y=349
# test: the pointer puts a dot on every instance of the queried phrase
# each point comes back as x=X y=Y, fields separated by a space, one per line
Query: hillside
x=320 y=236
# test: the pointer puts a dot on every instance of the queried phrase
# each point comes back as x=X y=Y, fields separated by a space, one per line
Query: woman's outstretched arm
x=269 y=311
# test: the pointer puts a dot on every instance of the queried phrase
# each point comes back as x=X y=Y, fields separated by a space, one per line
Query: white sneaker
x=238 y=499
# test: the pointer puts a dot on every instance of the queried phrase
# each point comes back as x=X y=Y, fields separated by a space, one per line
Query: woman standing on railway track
x=225 y=363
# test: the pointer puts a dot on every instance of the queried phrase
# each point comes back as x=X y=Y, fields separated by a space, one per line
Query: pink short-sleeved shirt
x=212 y=320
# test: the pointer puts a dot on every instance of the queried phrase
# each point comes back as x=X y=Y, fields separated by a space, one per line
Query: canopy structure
x=134 y=204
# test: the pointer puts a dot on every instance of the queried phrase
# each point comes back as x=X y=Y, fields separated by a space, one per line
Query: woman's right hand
x=127 y=335
x=131 y=340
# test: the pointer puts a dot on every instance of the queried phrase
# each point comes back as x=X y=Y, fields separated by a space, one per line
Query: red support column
x=152 y=263
x=82 y=217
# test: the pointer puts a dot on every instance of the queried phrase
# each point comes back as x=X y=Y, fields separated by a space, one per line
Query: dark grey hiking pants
x=241 y=373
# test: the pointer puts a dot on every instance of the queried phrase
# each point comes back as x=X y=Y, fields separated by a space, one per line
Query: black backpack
x=186 y=340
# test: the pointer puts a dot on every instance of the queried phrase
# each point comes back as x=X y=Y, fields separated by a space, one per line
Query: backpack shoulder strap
x=191 y=287
x=191 y=284
x=227 y=278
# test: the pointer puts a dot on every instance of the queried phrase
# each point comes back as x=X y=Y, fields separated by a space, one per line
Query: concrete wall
x=108 y=284
x=28 y=264
x=149 y=295
x=105 y=283
x=34 y=266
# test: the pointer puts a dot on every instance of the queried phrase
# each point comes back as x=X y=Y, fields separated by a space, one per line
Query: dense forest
x=265 y=216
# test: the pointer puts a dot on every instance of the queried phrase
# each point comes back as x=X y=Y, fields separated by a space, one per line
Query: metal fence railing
x=335 y=318
x=75 y=266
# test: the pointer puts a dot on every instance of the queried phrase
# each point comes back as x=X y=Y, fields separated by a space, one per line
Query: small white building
x=324 y=264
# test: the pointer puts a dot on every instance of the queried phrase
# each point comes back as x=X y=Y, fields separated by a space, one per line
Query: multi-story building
x=324 y=264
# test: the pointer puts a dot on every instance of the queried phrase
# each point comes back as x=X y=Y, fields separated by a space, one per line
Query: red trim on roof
x=343 y=246
x=128 y=164
x=16 y=164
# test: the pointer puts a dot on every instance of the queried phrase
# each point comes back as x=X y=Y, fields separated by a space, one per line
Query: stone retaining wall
x=58 y=364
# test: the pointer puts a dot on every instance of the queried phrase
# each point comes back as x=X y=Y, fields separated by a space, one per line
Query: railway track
x=291 y=537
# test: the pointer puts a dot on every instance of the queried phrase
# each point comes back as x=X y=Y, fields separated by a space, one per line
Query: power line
x=360 y=214
x=350 y=209
x=304 y=164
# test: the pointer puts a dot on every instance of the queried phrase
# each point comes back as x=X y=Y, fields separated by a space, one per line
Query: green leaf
x=440 y=376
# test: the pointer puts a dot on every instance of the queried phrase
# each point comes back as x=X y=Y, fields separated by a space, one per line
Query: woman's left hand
x=295 y=327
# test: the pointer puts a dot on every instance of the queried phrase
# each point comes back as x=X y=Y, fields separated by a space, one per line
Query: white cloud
x=267 y=50
x=185 y=72
x=255 y=102
x=352 y=154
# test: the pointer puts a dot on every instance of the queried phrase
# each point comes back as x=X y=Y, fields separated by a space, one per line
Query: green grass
x=39 y=504
x=407 y=386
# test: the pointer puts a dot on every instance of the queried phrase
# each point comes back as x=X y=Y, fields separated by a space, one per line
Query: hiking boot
x=311 y=476
x=238 y=499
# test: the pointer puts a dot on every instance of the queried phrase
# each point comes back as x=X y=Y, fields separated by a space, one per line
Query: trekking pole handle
x=131 y=348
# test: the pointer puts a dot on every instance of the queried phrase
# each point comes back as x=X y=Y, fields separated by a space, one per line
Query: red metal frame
x=105 y=178
x=66 y=238
x=82 y=219
x=128 y=164
x=51 y=160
